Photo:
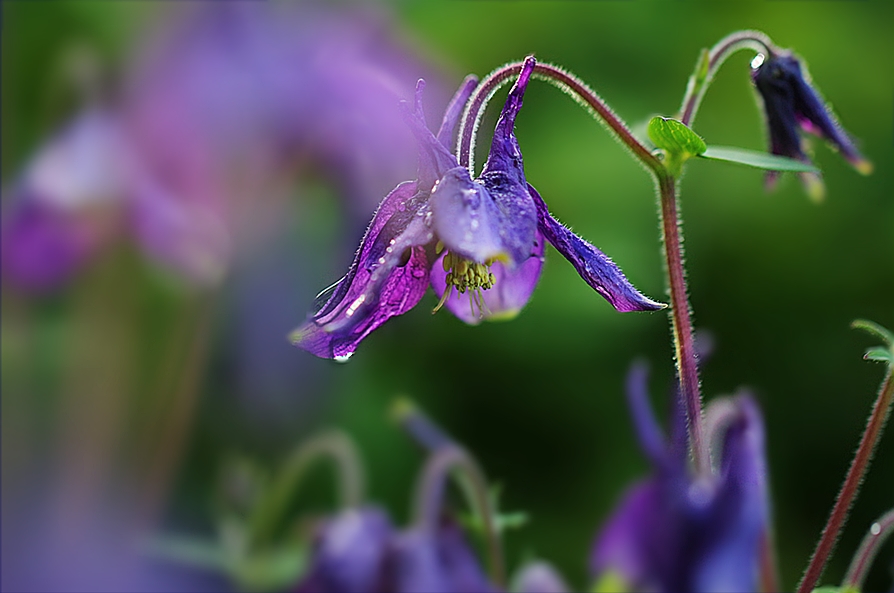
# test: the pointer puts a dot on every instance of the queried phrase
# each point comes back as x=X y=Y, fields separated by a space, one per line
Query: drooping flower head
x=479 y=243
x=792 y=105
x=677 y=532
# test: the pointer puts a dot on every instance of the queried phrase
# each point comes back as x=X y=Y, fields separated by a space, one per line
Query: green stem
x=851 y=486
x=681 y=322
x=879 y=531
x=708 y=65
x=572 y=85
x=430 y=494
x=334 y=445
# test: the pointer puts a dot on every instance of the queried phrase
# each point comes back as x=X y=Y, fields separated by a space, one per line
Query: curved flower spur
x=479 y=243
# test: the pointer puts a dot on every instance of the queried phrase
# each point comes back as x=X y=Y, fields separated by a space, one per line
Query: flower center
x=467 y=276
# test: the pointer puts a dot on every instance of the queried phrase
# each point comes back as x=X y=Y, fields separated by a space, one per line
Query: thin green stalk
x=851 y=486
x=430 y=494
x=709 y=63
x=681 y=321
x=334 y=445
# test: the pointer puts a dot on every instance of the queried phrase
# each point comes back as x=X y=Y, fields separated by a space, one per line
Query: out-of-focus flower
x=678 y=532
x=793 y=106
x=539 y=577
x=484 y=237
x=360 y=551
x=219 y=109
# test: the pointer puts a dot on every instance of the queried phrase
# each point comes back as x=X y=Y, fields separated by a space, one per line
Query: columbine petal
x=349 y=553
x=597 y=270
x=388 y=277
x=466 y=218
x=511 y=291
x=435 y=562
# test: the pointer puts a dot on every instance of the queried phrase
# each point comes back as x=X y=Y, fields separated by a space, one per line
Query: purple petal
x=388 y=277
x=349 y=554
x=648 y=433
x=594 y=267
x=634 y=543
x=441 y=562
x=43 y=246
x=509 y=294
x=741 y=509
x=505 y=154
x=539 y=577
x=435 y=159
x=455 y=109
x=466 y=218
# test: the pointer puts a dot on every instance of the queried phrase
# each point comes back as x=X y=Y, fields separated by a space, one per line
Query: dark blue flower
x=678 y=532
x=793 y=106
x=479 y=242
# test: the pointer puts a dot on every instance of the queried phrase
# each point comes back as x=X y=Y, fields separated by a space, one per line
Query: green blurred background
x=774 y=278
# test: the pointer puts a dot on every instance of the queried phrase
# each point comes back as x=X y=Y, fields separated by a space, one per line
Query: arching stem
x=879 y=531
x=708 y=65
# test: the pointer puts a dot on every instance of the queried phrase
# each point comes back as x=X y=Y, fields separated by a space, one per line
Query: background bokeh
x=111 y=394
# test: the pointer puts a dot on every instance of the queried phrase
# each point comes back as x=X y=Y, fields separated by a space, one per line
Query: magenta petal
x=597 y=270
x=511 y=291
x=43 y=246
x=388 y=277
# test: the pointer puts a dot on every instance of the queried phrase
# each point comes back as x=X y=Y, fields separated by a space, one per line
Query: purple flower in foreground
x=479 y=243
x=677 y=532
x=792 y=106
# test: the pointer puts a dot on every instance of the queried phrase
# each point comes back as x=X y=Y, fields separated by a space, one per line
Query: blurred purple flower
x=793 y=106
x=679 y=532
x=484 y=237
x=360 y=551
x=224 y=103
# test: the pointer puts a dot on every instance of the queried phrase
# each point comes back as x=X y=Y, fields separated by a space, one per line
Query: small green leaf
x=879 y=354
x=753 y=158
x=675 y=137
x=833 y=589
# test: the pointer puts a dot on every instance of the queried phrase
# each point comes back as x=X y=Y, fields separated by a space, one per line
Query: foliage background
x=774 y=278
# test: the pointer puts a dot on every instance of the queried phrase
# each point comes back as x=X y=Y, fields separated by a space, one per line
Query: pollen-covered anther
x=466 y=276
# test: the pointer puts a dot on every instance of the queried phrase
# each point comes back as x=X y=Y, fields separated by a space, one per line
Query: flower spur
x=482 y=237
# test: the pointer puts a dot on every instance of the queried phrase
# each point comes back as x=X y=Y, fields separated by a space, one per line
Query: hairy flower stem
x=709 y=63
x=430 y=493
x=849 y=490
x=684 y=342
x=681 y=320
x=334 y=445
x=575 y=87
x=869 y=547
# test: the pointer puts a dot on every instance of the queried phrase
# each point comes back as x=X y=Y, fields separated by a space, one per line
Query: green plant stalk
x=708 y=65
x=429 y=497
x=332 y=444
x=851 y=486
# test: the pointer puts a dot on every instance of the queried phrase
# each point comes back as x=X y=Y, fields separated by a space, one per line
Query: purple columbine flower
x=479 y=242
x=679 y=532
x=793 y=106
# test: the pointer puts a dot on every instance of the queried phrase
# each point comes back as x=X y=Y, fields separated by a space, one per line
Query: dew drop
x=875 y=529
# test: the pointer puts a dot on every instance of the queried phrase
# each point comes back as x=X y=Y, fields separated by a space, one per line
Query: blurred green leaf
x=875 y=329
x=272 y=570
x=753 y=158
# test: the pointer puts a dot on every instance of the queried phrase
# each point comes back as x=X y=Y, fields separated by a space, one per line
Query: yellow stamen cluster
x=467 y=276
